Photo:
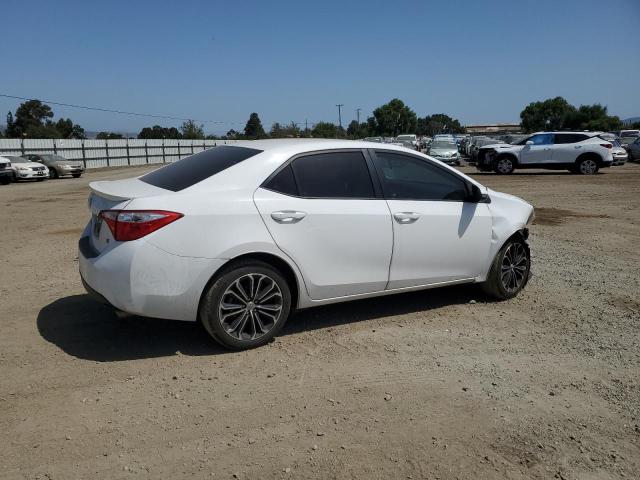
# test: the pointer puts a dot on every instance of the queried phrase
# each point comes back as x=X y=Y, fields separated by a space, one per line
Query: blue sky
x=479 y=61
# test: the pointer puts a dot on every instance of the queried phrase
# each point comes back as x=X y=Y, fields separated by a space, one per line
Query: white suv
x=578 y=152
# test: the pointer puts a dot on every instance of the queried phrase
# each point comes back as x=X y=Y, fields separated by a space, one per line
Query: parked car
x=619 y=154
x=629 y=133
x=374 y=139
x=408 y=140
x=25 y=169
x=58 y=166
x=6 y=174
x=445 y=151
x=479 y=143
x=633 y=150
x=239 y=237
x=579 y=152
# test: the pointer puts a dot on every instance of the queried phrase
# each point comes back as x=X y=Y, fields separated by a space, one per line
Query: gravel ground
x=437 y=384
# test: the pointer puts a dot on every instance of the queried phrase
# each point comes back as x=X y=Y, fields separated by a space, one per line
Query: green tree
x=65 y=128
x=158 y=132
x=355 y=130
x=109 y=136
x=550 y=114
x=593 y=117
x=324 y=130
x=31 y=117
x=253 y=129
x=233 y=135
x=11 y=131
x=192 y=131
x=394 y=118
x=438 y=123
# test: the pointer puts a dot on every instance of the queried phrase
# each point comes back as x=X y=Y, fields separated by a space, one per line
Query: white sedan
x=25 y=169
x=240 y=236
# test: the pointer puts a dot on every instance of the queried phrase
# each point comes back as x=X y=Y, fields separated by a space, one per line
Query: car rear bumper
x=140 y=278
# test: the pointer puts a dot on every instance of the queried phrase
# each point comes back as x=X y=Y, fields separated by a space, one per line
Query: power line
x=136 y=114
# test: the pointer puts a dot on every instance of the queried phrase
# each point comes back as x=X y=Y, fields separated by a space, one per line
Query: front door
x=437 y=235
x=540 y=152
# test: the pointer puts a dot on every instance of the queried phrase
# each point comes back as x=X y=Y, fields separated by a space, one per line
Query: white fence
x=110 y=153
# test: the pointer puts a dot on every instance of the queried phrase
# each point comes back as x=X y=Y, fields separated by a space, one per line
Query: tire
x=504 y=281
x=5 y=180
x=53 y=173
x=503 y=165
x=76 y=175
x=587 y=166
x=249 y=322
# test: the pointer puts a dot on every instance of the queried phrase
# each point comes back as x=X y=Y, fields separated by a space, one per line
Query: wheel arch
x=511 y=155
x=283 y=266
x=594 y=155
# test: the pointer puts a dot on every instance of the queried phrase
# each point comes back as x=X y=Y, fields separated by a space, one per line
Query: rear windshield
x=191 y=170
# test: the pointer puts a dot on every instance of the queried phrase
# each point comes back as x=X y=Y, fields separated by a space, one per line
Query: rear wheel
x=587 y=166
x=510 y=270
x=246 y=306
x=503 y=166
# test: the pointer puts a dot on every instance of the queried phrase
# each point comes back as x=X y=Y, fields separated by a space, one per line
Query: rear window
x=191 y=170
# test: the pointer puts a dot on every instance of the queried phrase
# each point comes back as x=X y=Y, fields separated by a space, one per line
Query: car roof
x=294 y=146
x=589 y=134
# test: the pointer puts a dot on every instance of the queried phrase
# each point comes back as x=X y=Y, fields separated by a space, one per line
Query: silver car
x=58 y=166
x=446 y=151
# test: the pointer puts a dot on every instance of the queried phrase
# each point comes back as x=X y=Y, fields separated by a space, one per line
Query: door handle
x=406 y=217
x=288 y=216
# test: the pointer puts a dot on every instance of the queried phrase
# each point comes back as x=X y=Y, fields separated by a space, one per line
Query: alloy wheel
x=588 y=167
x=513 y=269
x=250 y=307
x=504 y=165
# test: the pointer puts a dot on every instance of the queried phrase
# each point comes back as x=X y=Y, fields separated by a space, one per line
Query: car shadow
x=86 y=329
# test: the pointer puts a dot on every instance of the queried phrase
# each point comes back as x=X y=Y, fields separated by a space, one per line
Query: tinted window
x=563 y=138
x=333 y=175
x=542 y=139
x=410 y=178
x=283 y=182
x=195 y=168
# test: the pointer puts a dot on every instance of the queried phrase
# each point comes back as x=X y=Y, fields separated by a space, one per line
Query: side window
x=283 y=182
x=333 y=175
x=564 y=138
x=411 y=178
x=542 y=139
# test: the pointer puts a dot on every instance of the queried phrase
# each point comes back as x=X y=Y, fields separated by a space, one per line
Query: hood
x=442 y=151
x=500 y=146
x=29 y=164
x=618 y=151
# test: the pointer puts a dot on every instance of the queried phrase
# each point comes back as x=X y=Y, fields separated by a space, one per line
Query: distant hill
x=629 y=121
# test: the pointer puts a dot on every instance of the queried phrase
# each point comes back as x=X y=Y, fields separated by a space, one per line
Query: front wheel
x=509 y=271
x=504 y=166
x=246 y=306
x=53 y=173
x=587 y=166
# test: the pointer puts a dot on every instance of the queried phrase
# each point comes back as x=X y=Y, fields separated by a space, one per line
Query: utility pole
x=340 y=105
x=358 y=115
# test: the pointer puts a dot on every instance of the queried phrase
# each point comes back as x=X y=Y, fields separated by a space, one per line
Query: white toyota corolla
x=239 y=236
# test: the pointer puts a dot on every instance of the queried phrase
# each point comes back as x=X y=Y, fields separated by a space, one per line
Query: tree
x=11 y=130
x=550 y=114
x=324 y=130
x=109 y=136
x=232 y=134
x=65 y=128
x=355 y=130
x=593 y=117
x=438 y=123
x=394 y=118
x=190 y=130
x=253 y=129
x=31 y=117
x=279 y=131
x=158 y=132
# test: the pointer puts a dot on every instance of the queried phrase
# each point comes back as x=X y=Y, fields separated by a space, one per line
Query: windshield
x=443 y=145
x=54 y=158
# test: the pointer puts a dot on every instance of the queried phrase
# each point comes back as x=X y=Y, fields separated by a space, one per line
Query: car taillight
x=128 y=225
x=606 y=145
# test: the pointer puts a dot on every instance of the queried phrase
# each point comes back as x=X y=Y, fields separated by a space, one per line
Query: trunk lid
x=114 y=195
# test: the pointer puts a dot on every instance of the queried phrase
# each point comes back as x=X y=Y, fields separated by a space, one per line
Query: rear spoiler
x=125 y=189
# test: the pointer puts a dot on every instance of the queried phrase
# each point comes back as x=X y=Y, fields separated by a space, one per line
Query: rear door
x=323 y=211
x=540 y=152
x=567 y=147
x=437 y=235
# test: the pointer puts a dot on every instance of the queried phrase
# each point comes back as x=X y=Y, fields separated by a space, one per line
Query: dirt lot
x=437 y=384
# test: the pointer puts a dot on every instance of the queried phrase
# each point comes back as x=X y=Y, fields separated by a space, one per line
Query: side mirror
x=529 y=142
x=477 y=196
